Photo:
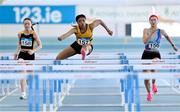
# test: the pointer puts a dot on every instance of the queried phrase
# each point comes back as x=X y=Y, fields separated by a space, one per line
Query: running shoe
x=154 y=88
x=23 y=97
x=149 y=97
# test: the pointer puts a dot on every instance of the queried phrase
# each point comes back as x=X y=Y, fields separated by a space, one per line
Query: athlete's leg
x=153 y=80
x=154 y=88
x=67 y=52
x=85 y=50
x=23 y=88
x=147 y=85
x=147 y=82
x=23 y=84
x=146 y=55
x=89 y=49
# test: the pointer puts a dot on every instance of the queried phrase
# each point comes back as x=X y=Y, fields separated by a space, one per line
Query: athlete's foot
x=83 y=53
x=154 y=88
x=23 y=97
x=149 y=97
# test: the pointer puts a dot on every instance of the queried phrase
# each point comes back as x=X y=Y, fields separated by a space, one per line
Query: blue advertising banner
x=41 y=14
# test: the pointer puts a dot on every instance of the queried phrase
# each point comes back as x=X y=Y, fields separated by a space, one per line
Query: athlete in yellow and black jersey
x=83 y=40
x=84 y=32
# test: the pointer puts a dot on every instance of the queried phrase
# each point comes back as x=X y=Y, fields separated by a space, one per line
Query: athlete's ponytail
x=32 y=28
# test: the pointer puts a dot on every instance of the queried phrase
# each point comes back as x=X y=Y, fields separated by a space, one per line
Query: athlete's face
x=153 y=21
x=81 y=21
x=27 y=24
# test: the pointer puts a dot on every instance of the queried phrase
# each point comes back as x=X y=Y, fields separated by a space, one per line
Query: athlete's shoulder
x=145 y=29
x=21 y=32
x=74 y=29
x=162 y=30
x=32 y=32
x=89 y=25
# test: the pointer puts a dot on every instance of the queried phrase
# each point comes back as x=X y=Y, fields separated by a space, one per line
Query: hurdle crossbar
x=89 y=75
x=69 y=62
x=89 y=67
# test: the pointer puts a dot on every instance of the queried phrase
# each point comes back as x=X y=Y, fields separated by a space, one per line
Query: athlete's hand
x=31 y=52
x=60 y=39
x=110 y=32
x=15 y=56
x=175 y=48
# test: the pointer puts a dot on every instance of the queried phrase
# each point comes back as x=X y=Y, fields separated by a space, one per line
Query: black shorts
x=26 y=56
x=78 y=47
x=150 y=54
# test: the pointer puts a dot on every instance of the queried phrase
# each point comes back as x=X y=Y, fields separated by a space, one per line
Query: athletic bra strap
x=158 y=36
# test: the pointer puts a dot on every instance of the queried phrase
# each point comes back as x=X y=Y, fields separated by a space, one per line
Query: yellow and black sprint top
x=84 y=38
x=26 y=40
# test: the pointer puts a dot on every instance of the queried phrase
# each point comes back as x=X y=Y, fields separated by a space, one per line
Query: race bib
x=152 y=46
x=84 y=41
x=26 y=42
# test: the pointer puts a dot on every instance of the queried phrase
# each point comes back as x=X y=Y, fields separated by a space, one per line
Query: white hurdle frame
x=87 y=62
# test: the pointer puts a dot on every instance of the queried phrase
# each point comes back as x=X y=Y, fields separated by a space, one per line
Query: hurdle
x=76 y=75
x=80 y=68
x=71 y=68
x=83 y=62
x=75 y=68
x=93 y=53
x=53 y=76
x=5 y=68
x=95 y=56
x=87 y=62
x=54 y=68
x=110 y=57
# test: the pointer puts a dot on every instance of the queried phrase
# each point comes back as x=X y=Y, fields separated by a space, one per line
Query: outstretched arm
x=98 y=22
x=67 y=34
x=169 y=39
